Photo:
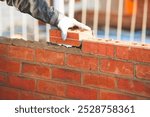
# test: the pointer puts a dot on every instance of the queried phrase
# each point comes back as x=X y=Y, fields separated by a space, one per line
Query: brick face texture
x=66 y=75
x=51 y=88
x=7 y=65
x=104 y=95
x=136 y=54
x=82 y=62
x=99 y=81
x=143 y=71
x=81 y=93
x=98 y=48
x=3 y=49
x=8 y=93
x=117 y=67
x=23 y=83
x=134 y=87
x=51 y=57
x=36 y=70
x=97 y=70
x=2 y=79
x=16 y=52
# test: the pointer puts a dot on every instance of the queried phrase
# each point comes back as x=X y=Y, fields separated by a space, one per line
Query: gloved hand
x=65 y=23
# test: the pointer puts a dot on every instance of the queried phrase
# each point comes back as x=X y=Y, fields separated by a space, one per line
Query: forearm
x=39 y=9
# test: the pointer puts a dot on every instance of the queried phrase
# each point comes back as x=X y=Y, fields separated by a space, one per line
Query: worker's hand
x=65 y=23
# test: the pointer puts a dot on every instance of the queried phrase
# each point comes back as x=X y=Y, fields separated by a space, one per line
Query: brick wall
x=97 y=70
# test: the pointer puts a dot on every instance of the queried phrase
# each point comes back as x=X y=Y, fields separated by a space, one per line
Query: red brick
x=99 y=81
x=74 y=37
x=136 y=54
x=117 y=67
x=51 y=57
x=56 y=98
x=22 y=83
x=67 y=42
x=21 y=53
x=105 y=95
x=143 y=72
x=70 y=35
x=3 y=49
x=75 y=34
x=9 y=66
x=36 y=70
x=82 y=62
x=51 y=88
x=140 y=88
x=24 y=95
x=2 y=79
x=97 y=48
x=8 y=93
x=76 y=92
x=66 y=75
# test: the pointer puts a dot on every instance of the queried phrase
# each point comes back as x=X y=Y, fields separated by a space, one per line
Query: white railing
x=144 y=21
x=84 y=7
x=24 y=26
x=107 y=20
x=120 y=15
x=31 y=24
x=133 y=21
x=96 y=14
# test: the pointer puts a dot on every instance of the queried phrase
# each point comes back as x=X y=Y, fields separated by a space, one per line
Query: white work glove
x=65 y=23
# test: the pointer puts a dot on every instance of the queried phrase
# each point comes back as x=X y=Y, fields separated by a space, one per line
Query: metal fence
x=15 y=24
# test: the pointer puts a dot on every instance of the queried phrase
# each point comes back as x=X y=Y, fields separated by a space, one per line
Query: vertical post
x=47 y=33
x=120 y=15
x=12 y=25
x=144 y=25
x=71 y=8
x=107 y=21
x=59 y=5
x=133 y=21
x=36 y=30
x=84 y=8
x=24 y=26
x=96 y=14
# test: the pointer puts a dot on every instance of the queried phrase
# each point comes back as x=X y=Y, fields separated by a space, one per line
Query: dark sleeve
x=39 y=9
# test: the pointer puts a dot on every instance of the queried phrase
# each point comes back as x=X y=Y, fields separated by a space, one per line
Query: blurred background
x=126 y=20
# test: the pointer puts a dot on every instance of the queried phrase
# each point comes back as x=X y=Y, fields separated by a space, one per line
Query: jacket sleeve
x=39 y=9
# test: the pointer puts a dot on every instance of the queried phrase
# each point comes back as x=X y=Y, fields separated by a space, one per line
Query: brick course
x=98 y=70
